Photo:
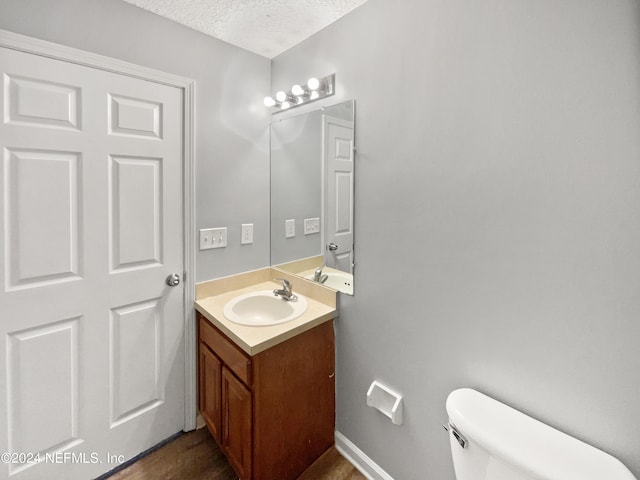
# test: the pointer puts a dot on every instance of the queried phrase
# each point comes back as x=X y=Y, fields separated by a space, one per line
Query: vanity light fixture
x=313 y=89
x=313 y=84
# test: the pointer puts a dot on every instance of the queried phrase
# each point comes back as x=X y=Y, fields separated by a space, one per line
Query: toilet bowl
x=492 y=441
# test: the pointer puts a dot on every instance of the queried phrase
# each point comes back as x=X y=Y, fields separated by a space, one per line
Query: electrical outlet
x=213 y=238
x=290 y=228
x=311 y=225
x=246 y=235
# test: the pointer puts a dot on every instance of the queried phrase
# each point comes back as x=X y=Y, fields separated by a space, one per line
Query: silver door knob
x=173 y=280
x=332 y=246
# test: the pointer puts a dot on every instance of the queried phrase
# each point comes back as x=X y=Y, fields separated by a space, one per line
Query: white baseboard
x=359 y=459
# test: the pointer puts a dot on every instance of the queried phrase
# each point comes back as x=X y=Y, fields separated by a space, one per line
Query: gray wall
x=497 y=216
x=232 y=136
x=296 y=182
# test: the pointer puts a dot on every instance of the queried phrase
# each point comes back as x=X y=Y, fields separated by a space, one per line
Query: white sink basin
x=263 y=308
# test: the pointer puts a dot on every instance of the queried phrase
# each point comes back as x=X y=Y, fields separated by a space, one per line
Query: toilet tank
x=502 y=443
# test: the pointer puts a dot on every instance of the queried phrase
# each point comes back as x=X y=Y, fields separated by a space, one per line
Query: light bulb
x=300 y=101
x=313 y=83
x=314 y=95
x=281 y=96
x=269 y=102
x=297 y=90
x=285 y=105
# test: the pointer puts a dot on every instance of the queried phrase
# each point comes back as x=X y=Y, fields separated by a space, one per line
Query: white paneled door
x=338 y=164
x=92 y=345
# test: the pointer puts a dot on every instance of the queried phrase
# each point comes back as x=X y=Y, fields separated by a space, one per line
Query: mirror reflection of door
x=338 y=206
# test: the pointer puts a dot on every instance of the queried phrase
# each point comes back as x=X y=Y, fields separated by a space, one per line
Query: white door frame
x=44 y=48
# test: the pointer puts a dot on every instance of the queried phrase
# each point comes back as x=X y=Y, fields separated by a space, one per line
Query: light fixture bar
x=301 y=94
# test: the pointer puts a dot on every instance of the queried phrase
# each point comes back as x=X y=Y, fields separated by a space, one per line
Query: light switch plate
x=311 y=225
x=290 y=228
x=246 y=235
x=213 y=238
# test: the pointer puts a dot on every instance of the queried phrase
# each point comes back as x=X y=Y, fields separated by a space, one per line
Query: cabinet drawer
x=235 y=359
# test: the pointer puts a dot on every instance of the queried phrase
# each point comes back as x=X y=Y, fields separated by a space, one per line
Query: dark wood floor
x=196 y=456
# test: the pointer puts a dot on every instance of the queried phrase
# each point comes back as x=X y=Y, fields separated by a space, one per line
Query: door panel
x=91 y=226
x=136 y=212
x=39 y=102
x=135 y=117
x=31 y=380
x=42 y=238
x=135 y=354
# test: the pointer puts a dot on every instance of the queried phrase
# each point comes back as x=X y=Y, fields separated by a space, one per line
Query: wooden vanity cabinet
x=273 y=414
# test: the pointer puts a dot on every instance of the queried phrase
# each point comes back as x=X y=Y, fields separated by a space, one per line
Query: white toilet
x=492 y=441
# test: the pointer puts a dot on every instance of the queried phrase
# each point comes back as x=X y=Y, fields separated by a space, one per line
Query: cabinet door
x=210 y=392
x=237 y=419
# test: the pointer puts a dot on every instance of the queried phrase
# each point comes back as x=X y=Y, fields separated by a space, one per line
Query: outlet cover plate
x=246 y=234
x=290 y=228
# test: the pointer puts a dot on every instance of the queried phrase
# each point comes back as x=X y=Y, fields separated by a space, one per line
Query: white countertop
x=254 y=339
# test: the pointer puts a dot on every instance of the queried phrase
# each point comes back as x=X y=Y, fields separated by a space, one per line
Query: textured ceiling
x=266 y=27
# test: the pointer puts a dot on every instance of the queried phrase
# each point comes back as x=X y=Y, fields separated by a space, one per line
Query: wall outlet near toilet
x=213 y=238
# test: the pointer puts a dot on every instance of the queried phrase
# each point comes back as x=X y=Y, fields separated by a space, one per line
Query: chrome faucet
x=318 y=276
x=286 y=293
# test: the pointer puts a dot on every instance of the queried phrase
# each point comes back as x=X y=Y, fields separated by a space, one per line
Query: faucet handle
x=286 y=284
x=287 y=291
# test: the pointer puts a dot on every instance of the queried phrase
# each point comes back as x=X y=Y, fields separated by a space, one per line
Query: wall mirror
x=312 y=182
